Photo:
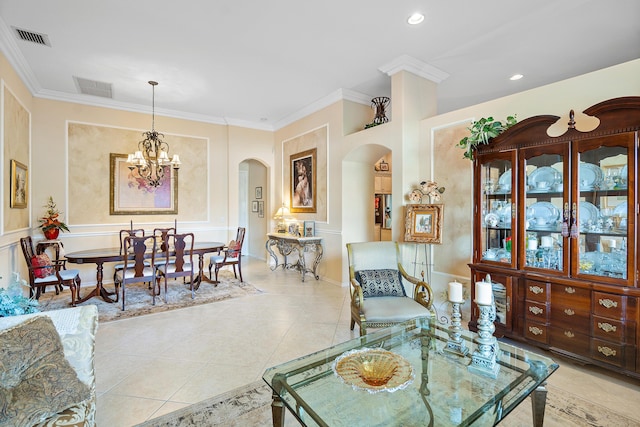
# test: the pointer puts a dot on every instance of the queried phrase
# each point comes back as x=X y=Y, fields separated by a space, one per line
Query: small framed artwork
x=258 y=192
x=423 y=223
x=309 y=228
x=260 y=209
x=19 y=182
x=254 y=206
x=294 y=229
x=384 y=166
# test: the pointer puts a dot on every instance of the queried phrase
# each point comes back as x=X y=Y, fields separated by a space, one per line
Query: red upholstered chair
x=43 y=271
x=229 y=255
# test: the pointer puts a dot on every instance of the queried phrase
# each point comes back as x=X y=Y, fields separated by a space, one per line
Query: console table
x=289 y=244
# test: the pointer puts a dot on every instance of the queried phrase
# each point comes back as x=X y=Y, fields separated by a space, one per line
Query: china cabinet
x=555 y=228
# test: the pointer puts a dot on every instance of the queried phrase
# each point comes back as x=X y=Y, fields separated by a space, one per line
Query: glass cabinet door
x=545 y=208
x=603 y=207
x=497 y=183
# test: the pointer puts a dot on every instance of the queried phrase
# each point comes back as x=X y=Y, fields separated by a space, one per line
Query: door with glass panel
x=495 y=198
x=544 y=209
x=603 y=208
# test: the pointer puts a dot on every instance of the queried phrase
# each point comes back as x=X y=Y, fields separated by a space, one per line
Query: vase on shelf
x=52 y=233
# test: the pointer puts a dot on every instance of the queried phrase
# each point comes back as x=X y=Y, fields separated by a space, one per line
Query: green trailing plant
x=481 y=133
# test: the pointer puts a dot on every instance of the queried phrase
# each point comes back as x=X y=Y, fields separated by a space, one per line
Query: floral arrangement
x=482 y=131
x=427 y=188
x=51 y=219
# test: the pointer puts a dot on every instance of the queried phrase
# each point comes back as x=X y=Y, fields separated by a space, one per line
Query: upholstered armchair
x=382 y=293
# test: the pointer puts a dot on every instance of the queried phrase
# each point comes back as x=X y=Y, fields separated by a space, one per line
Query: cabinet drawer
x=577 y=298
x=608 y=352
x=537 y=291
x=608 y=329
x=569 y=339
x=609 y=305
x=536 y=331
x=567 y=316
x=536 y=311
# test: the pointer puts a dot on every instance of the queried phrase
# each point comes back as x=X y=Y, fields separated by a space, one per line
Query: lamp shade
x=283 y=212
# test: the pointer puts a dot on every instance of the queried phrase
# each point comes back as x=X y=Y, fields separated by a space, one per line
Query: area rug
x=250 y=406
x=139 y=301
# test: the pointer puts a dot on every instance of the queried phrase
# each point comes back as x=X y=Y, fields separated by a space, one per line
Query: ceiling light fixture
x=416 y=18
x=516 y=77
x=152 y=156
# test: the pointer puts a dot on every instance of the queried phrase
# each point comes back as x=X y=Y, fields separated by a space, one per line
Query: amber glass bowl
x=372 y=368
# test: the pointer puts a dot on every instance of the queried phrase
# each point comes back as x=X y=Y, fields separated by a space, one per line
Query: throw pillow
x=42 y=260
x=380 y=283
x=35 y=377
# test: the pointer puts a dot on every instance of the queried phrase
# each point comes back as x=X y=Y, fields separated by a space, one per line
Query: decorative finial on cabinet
x=572 y=121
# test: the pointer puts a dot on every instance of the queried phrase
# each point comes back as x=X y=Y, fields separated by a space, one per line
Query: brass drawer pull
x=607 y=327
x=536 y=310
x=536 y=289
x=570 y=290
x=606 y=351
x=535 y=330
x=569 y=312
x=569 y=334
x=607 y=303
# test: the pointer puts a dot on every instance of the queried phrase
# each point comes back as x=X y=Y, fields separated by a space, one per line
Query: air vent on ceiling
x=92 y=87
x=30 y=36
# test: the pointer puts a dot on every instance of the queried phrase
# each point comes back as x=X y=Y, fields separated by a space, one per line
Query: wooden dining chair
x=180 y=264
x=160 y=235
x=229 y=255
x=140 y=267
x=43 y=271
x=138 y=232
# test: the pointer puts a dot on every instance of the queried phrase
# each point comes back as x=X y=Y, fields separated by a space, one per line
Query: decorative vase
x=52 y=233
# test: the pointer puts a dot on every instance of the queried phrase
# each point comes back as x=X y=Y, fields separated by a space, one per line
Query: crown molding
x=415 y=66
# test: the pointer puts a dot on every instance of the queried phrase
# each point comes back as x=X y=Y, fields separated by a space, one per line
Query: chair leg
x=217 y=269
x=210 y=265
x=353 y=323
x=240 y=270
x=122 y=296
x=166 y=289
x=234 y=271
x=73 y=289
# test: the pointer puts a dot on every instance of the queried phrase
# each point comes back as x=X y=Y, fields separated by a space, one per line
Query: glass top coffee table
x=428 y=386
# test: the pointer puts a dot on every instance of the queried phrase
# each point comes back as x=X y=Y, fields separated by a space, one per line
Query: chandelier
x=152 y=156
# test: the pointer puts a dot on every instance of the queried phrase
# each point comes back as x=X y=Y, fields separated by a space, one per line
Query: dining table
x=103 y=255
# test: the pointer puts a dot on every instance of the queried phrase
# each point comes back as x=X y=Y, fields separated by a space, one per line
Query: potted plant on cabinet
x=482 y=131
x=50 y=223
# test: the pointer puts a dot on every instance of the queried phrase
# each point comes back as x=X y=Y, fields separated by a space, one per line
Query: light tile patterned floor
x=155 y=364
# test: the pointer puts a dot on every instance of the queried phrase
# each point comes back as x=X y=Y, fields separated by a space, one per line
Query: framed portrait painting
x=303 y=181
x=423 y=223
x=19 y=183
x=131 y=194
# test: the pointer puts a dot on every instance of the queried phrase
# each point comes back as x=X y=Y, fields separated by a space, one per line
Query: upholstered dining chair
x=139 y=232
x=382 y=293
x=229 y=255
x=181 y=263
x=161 y=235
x=140 y=267
x=43 y=271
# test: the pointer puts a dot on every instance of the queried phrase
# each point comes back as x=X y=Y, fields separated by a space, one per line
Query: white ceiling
x=262 y=64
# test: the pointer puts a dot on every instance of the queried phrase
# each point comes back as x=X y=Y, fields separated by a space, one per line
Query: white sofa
x=77 y=329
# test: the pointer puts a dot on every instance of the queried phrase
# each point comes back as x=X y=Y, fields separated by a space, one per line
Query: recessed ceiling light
x=416 y=18
x=516 y=77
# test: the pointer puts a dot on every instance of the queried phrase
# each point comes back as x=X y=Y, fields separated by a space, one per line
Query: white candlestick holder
x=484 y=360
x=455 y=344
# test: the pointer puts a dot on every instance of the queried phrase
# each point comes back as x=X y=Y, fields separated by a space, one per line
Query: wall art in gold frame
x=19 y=185
x=303 y=181
x=131 y=195
x=423 y=223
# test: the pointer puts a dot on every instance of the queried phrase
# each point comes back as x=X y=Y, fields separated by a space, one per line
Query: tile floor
x=155 y=364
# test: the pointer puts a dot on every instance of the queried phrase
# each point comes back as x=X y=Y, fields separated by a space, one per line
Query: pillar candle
x=455 y=292
x=484 y=293
x=532 y=244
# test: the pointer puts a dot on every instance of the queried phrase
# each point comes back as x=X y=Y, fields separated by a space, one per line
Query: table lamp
x=282 y=215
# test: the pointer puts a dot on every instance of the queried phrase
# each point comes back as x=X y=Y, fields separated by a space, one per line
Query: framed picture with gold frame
x=131 y=194
x=303 y=181
x=423 y=223
x=19 y=185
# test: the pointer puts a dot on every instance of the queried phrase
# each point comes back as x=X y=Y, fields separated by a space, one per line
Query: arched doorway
x=253 y=208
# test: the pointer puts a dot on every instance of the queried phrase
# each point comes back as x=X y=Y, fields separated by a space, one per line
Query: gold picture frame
x=423 y=223
x=19 y=185
x=130 y=195
x=303 y=181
